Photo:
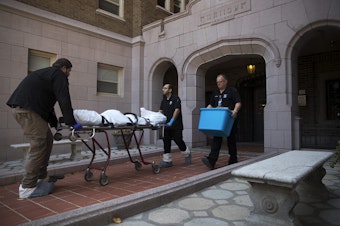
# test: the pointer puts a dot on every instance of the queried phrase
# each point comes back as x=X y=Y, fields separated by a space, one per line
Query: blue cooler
x=216 y=122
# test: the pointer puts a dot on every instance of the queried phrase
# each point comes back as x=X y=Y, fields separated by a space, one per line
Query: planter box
x=216 y=122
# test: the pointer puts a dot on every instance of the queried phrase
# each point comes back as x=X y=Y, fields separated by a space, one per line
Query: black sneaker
x=56 y=177
x=206 y=162
x=232 y=160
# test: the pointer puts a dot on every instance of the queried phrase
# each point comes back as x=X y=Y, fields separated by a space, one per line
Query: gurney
x=88 y=136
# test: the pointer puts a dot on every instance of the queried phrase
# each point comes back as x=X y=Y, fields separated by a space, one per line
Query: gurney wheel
x=88 y=175
x=58 y=136
x=138 y=166
x=104 y=180
x=155 y=168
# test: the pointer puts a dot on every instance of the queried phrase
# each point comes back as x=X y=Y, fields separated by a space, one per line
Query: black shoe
x=56 y=177
x=232 y=160
x=206 y=162
x=42 y=175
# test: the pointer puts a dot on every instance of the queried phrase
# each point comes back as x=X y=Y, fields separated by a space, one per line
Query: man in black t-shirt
x=171 y=108
x=225 y=96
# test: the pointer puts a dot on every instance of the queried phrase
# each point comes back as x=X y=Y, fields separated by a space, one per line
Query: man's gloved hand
x=77 y=126
x=171 y=122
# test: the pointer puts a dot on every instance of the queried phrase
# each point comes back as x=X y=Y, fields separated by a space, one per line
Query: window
x=161 y=3
x=174 y=6
x=109 y=79
x=178 y=6
x=333 y=99
x=38 y=60
x=113 y=7
x=164 y=4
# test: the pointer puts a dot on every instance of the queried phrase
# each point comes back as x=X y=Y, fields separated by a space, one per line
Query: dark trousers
x=177 y=136
x=217 y=143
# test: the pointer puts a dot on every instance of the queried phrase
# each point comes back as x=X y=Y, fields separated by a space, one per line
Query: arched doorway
x=163 y=71
x=195 y=69
x=252 y=89
x=318 y=87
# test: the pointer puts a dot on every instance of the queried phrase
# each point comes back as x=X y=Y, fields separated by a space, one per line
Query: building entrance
x=253 y=95
x=318 y=68
x=252 y=89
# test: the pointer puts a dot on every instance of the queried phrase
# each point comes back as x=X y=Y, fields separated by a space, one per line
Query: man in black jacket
x=33 y=108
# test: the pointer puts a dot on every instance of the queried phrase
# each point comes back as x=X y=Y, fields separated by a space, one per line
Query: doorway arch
x=196 y=65
x=164 y=70
x=252 y=90
x=315 y=72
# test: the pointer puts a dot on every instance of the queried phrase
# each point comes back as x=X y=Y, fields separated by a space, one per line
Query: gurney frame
x=88 y=133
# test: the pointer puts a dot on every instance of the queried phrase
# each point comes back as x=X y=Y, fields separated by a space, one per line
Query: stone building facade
x=291 y=101
x=298 y=110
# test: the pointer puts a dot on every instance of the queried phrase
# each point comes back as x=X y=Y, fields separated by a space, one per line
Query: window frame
x=104 y=12
x=32 y=52
x=181 y=6
x=166 y=5
x=171 y=7
x=120 y=84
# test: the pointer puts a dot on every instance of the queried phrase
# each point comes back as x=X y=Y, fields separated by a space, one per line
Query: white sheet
x=115 y=117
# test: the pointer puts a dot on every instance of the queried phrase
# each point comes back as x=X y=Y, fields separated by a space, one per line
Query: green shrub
x=337 y=156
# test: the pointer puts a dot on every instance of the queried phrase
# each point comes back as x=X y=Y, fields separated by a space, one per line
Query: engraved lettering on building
x=224 y=12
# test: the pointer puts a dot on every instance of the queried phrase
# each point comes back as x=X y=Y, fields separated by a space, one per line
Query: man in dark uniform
x=33 y=108
x=171 y=108
x=225 y=96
